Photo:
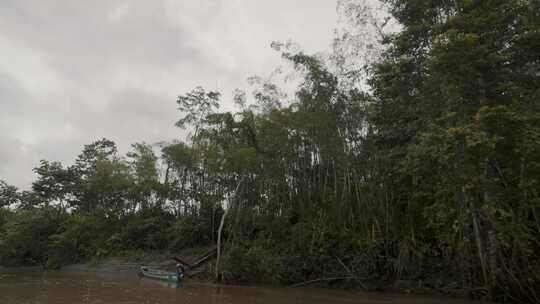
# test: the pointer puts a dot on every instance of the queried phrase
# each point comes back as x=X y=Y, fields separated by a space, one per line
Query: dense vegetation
x=431 y=175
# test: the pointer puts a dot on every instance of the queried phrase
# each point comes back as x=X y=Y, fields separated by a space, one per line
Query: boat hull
x=159 y=274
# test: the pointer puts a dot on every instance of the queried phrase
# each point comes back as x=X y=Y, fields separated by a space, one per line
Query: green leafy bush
x=252 y=264
x=187 y=232
x=26 y=237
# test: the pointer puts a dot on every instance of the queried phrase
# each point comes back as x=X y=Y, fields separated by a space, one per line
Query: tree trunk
x=220 y=229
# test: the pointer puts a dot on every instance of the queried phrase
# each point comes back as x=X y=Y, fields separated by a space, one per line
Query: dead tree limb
x=321 y=280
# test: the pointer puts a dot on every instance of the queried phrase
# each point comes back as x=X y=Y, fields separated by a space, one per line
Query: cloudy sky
x=72 y=72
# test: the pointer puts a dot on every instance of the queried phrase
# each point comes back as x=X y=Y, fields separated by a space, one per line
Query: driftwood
x=220 y=230
x=205 y=257
x=351 y=273
x=200 y=261
x=179 y=260
x=321 y=280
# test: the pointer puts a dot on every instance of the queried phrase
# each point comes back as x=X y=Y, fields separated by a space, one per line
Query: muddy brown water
x=104 y=288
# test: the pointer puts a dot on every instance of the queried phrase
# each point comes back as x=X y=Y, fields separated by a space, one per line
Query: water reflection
x=101 y=288
x=147 y=281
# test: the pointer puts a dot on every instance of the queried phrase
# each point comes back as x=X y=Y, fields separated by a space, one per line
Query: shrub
x=188 y=232
x=26 y=236
x=142 y=231
x=252 y=264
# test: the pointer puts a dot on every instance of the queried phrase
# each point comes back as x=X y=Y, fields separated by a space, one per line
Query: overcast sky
x=72 y=72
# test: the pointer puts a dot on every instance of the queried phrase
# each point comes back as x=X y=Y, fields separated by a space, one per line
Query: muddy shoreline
x=126 y=267
x=100 y=284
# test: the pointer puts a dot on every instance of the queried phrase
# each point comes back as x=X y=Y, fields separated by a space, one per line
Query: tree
x=453 y=99
x=26 y=236
x=143 y=163
x=98 y=162
x=196 y=106
x=54 y=182
x=8 y=195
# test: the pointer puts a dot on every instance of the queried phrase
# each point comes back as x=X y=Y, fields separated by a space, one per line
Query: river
x=123 y=288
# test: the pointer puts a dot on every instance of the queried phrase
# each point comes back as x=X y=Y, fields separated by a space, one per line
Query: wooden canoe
x=160 y=274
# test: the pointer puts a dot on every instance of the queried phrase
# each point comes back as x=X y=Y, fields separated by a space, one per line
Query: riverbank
x=61 y=287
x=117 y=266
x=129 y=262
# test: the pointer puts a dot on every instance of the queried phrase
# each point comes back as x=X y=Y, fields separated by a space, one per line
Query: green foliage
x=85 y=235
x=145 y=230
x=54 y=182
x=197 y=105
x=8 y=195
x=453 y=102
x=26 y=236
x=187 y=232
x=5 y=215
x=251 y=263
x=61 y=249
x=432 y=175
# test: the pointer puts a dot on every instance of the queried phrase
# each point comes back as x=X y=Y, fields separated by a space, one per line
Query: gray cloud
x=75 y=71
